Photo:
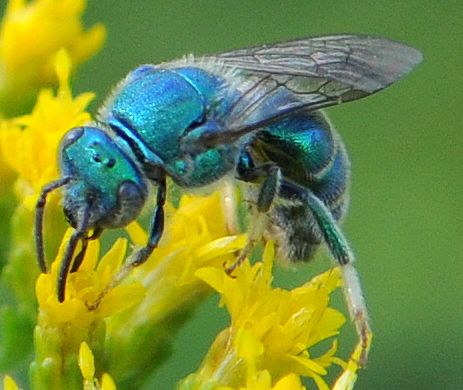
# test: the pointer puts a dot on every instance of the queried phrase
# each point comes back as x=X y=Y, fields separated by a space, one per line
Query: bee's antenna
x=39 y=210
x=78 y=234
x=80 y=256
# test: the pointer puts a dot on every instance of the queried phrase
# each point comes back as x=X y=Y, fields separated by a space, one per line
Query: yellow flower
x=290 y=381
x=263 y=381
x=347 y=379
x=87 y=367
x=31 y=34
x=196 y=236
x=29 y=143
x=61 y=327
x=83 y=288
x=9 y=383
x=272 y=329
x=38 y=39
x=146 y=307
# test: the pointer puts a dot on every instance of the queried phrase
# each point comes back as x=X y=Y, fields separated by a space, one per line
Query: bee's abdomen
x=333 y=186
x=311 y=155
x=303 y=146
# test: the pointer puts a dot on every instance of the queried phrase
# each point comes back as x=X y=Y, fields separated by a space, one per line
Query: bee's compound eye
x=129 y=193
x=71 y=136
x=129 y=204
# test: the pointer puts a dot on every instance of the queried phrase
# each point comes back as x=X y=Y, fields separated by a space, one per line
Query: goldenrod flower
x=29 y=146
x=347 y=379
x=87 y=367
x=84 y=287
x=263 y=381
x=31 y=34
x=272 y=329
x=61 y=327
x=34 y=37
x=145 y=309
x=9 y=383
x=196 y=236
x=29 y=143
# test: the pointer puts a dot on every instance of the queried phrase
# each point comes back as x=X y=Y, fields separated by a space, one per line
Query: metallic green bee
x=253 y=113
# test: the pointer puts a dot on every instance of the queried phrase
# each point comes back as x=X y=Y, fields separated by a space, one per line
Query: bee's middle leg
x=268 y=175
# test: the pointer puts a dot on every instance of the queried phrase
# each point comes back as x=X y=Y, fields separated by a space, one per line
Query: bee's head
x=105 y=183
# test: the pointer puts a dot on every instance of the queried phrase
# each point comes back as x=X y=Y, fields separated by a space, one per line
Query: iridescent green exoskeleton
x=253 y=113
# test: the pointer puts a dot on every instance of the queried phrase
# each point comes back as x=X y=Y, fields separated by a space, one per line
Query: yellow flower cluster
x=272 y=329
x=84 y=287
x=29 y=142
x=195 y=236
x=31 y=33
x=87 y=367
x=9 y=383
x=163 y=287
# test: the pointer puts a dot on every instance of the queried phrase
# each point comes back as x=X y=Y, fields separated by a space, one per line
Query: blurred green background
x=406 y=147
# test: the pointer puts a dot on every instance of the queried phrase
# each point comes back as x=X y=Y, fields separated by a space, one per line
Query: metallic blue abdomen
x=310 y=154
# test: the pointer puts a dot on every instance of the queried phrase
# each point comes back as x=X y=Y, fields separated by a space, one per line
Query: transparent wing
x=307 y=74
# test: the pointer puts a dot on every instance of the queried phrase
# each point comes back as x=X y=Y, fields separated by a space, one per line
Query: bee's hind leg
x=340 y=249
